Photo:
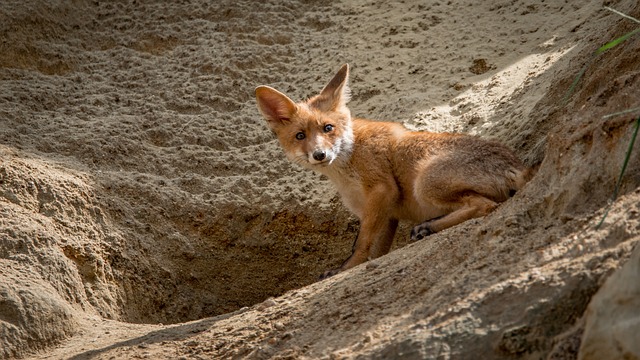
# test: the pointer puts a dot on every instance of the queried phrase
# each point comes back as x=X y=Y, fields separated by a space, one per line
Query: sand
x=147 y=211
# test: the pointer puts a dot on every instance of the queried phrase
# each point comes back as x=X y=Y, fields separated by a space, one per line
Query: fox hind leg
x=421 y=231
x=472 y=206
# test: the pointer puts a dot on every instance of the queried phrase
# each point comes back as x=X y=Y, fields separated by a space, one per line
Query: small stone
x=266 y=304
x=372 y=265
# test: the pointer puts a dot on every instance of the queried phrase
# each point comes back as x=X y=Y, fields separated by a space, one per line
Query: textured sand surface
x=139 y=185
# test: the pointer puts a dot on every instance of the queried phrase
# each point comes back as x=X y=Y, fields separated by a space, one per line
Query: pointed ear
x=336 y=94
x=275 y=106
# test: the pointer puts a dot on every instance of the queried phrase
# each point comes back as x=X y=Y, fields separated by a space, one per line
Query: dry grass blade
x=601 y=50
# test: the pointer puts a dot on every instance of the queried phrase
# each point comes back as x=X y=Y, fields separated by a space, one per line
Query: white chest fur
x=350 y=189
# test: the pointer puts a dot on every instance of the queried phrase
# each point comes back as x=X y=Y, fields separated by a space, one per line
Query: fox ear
x=336 y=94
x=275 y=106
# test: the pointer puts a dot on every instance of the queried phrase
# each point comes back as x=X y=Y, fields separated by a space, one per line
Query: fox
x=386 y=173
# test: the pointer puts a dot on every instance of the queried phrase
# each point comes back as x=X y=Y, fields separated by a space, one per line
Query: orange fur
x=386 y=173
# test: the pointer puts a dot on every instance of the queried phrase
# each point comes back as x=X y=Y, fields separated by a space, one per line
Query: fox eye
x=328 y=128
x=300 y=136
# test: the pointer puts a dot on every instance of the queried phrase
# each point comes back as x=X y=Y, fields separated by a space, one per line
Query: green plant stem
x=624 y=168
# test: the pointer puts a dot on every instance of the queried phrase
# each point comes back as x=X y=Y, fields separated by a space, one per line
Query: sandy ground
x=139 y=185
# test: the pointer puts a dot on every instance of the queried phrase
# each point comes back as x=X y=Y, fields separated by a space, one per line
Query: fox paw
x=329 y=273
x=421 y=231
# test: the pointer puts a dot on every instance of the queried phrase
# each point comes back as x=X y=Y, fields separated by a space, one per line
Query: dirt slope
x=140 y=187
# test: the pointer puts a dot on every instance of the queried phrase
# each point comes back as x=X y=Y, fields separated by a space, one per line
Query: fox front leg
x=374 y=237
x=374 y=240
x=332 y=272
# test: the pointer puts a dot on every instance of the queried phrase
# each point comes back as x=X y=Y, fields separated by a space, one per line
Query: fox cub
x=386 y=173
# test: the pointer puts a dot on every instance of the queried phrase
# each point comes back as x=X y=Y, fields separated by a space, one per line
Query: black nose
x=319 y=155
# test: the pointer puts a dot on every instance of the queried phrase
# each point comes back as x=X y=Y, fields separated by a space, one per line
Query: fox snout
x=319 y=155
x=311 y=151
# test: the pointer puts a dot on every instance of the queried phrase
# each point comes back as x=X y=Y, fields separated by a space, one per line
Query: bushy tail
x=524 y=177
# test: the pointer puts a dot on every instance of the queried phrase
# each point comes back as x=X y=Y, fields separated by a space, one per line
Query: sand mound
x=139 y=185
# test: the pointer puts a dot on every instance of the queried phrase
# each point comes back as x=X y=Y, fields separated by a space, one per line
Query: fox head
x=314 y=133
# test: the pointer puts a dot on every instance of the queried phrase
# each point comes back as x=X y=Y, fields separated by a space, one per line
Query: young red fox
x=386 y=173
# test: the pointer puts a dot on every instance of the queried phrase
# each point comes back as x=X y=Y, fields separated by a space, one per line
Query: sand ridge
x=139 y=184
